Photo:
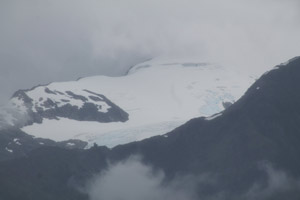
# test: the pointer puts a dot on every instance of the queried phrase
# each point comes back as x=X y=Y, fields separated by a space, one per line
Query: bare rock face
x=86 y=106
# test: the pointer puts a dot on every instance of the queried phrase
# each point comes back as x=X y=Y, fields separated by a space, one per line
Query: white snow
x=16 y=140
x=282 y=64
x=9 y=150
x=109 y=134
x=213 y=116
x=291 y=60
x=274 y=68
x=70 y=144
x=258 y=88
x=61 y=98
x=159 y=95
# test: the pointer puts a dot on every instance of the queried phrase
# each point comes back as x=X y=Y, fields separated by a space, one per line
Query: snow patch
x=9 y=150
x=16 y=140
x=213 y=116
x=47 y=97
x=291 y=60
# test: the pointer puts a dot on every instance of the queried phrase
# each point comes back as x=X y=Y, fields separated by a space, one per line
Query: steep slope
x=14 y=143
x=251 y=149
x=158 y=96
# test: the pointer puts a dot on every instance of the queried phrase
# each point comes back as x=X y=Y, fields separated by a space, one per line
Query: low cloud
x=132 y=180
x=11 y=116
x=278 y=182
x=44 y=41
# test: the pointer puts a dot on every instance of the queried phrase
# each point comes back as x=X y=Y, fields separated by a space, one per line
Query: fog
x=133 y=180
x=45 y=41
x=278 y=182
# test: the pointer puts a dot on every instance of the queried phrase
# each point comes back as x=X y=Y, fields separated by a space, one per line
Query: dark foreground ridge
x=262 y=128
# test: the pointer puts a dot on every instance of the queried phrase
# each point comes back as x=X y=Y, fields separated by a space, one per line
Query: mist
x=10 y=117
x=45 y=41
x=132 y=180
x=278 y=184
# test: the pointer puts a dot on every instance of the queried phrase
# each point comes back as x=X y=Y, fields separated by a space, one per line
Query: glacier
x=159 y=95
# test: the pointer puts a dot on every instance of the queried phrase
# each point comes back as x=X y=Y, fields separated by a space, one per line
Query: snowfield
x=159 y=95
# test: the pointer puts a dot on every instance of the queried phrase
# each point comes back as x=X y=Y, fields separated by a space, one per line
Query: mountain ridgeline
x=251 y=149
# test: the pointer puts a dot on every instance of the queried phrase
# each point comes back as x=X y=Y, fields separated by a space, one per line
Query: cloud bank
x=278 y=184
x=132 y=180
x=44 y=41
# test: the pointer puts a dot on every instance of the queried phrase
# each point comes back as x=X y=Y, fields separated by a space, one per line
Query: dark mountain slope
x=50 y=173
x=14 y=143
x=261 y=129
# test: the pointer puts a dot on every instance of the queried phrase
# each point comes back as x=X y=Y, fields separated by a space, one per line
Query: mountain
x=40 y=102
x=14 y=143
x=250 y=151
x=153 y=98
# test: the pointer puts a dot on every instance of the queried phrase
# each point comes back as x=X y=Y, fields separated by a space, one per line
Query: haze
x=45 y=41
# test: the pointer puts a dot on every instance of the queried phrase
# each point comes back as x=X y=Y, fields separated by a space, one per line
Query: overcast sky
x=54 y=40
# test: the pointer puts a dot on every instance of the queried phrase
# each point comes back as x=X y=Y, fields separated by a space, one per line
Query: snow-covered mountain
x=153 y=98
x=249 y=151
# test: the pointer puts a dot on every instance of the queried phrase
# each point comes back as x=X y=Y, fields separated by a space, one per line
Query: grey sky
x=55 y=40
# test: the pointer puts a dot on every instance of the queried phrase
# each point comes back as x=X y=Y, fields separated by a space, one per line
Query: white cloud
x=43 y=41
x=131 y=180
